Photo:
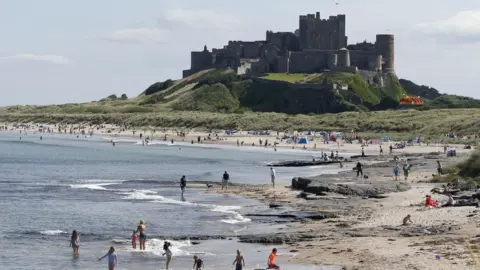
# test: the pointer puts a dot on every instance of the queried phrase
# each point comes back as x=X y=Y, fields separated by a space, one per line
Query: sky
x=57 y=51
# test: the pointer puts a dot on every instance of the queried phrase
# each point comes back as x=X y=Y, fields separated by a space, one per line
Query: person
x=141 y=228
x=363 y=152
x=168 y=252
x=439 y=168
x=273 y=175
x=477 y=193
x=407 y=220
x=134 y=239
x=450 y=201
x=381 y=151
x=391 y=149
x=271 y=260
x=112 y=258
x=406 y=171
x=75 y=242
x=197 y=263
x=225 y=179
x=359 y=169
x=183 y=183
x=396 y=171
x=239 y=261
x=430 y=202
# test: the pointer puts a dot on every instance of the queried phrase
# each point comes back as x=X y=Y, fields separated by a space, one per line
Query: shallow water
x=50 y=187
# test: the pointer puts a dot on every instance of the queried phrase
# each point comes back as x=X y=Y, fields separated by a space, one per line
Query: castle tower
x=385 y=45
x=322 y=34
x=343 y=57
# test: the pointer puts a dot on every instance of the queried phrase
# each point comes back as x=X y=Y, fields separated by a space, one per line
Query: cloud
x=464 y=26
x=54 y=59
x=139 y=35
x=201 y=18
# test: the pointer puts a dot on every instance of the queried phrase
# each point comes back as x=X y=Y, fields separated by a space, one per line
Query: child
x=239 y=261
x=168 y=252
x=271 y=260
x=134 y=239
x=198 y=263
x=74 y=242
x=112 y=258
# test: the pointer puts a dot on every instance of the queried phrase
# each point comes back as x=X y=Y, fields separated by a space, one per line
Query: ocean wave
x=149 y=195
x=95 y=184
x=52 y=232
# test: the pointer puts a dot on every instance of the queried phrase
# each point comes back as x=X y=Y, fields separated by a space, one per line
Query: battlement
x=316 y=17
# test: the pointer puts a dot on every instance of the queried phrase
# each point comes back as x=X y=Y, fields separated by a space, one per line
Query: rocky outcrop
x=374 y=190
x=303 y=163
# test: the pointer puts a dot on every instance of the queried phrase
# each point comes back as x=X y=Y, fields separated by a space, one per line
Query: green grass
x=286 y=77
x=399 y=124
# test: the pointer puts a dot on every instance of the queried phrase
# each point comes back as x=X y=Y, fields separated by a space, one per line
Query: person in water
x=273 y=175
x=239 y=261
x=168 y=252
x=143 y=236
x=197 y=263
x=75 y=242
x=183 y=183
x=271 y=260
x=112 y=258
x=134 y=239
x=225 y=179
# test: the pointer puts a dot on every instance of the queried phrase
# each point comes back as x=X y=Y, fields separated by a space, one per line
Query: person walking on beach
x=406 y=170
x=359 y=169
x=439 y=168
x=197 y=263
x=396 y=171
x=112 y=258
x=391 y=150
x=381 y=151
x=168 y=252
x=141 y=228
x=75 y=242
x=273 y=176
x=183 y=183
x=225 y=179
x=271 y=260
x=239 y=261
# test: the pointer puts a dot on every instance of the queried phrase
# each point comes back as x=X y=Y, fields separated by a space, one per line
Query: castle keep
x=318 y=45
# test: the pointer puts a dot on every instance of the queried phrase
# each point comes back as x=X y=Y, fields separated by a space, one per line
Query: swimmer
x=74 y=242
x=271 y=260
x=168 y=252
x=197 y=263
x=239 y=261
x=112 y=258
x=141 y=228
x=407 y=220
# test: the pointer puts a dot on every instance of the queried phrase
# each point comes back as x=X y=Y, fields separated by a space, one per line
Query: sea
x=53 y=185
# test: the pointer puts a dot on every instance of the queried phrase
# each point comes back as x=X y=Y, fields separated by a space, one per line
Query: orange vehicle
x=408 y=100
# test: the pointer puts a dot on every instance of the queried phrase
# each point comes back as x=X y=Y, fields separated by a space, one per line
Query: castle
x=318 y=45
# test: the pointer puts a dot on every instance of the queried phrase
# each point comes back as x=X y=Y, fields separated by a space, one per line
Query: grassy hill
x=222 y=99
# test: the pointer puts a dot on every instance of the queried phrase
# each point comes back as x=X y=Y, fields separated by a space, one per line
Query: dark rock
x=275 y=205
x=277 y=238
x=361 y=190
x=303 y=163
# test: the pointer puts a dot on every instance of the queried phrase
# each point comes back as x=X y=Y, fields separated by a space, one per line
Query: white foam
x=95 y=184
x=52 y=232
x=148 y=195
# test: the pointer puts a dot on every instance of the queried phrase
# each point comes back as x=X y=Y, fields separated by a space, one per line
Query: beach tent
x=302 y=140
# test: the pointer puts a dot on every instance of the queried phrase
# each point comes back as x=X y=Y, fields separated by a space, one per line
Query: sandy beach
x=357 y=231
x=368 y=233
x=244 y=138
